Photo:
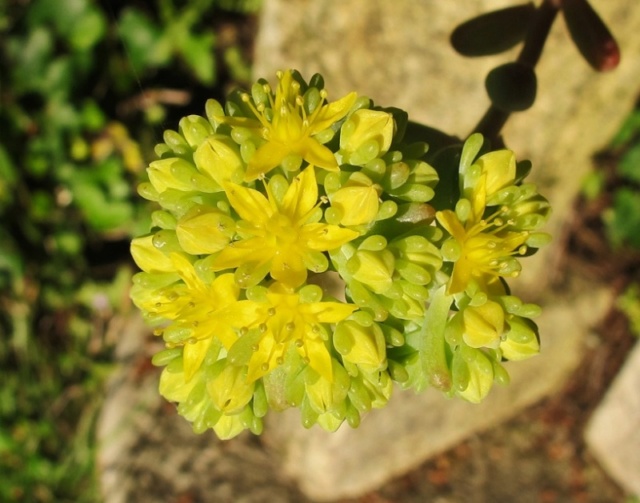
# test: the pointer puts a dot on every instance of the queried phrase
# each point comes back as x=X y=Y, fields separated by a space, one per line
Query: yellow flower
x=289 y=130
x=200 y=313
x=280 y=238
x=482 y=250
x=289 y=323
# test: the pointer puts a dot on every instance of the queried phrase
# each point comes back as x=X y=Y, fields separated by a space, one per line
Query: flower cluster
x=299 y=259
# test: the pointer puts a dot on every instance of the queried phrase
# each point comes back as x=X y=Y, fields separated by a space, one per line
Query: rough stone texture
x=398 y=54
x=413 y=427
x=613 y=434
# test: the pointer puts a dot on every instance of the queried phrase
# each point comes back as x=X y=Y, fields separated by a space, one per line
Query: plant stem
x=494 y=119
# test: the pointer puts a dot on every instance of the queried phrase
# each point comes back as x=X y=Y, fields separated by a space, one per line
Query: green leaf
x=141 y=38
x=512 y=87
x=629 y=166
x=33 y=56
x=198 y=52
x=88 y=30
x=623 y=221
x=493 y=32
x=8 y=177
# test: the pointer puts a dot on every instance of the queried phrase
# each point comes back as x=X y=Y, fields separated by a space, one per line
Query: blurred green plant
x=78 y=80
x=622 y=219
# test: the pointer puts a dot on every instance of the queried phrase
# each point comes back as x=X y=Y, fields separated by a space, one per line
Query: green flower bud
x=195 y=130
x=325 y=396
x=362 y=346
x=356 y=204
x=480 y=377
x=365 y=135
x=219 y=159
x=229 y=389
x=483 y=325
x=176 y=142
x=521 y=340
x=374 y=269
x=205 y=230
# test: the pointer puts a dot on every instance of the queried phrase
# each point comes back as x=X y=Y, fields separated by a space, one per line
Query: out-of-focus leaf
x=8 y=177
x=141 y=38
x=591 y=36
x=623 y=219
x=33 y=56
x=630 y=127
x=100 y=213
x=629 y=165
x=512 y=87
x=493 y=32
x=87 y=30
x=197 y=51
x=59 y=78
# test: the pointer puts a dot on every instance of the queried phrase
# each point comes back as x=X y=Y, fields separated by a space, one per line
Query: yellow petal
x=301 y=196
x=288 y=268
x=328 y=312
x=317 y=154
x=194 y=354
x=319 y=357
x=333 y=112
x=449 y=220
x=250 y=204
x=500 y=168
x=240 y=252
x=460 y=277
x=148 y=257
x=267 y=157
x=323 y=237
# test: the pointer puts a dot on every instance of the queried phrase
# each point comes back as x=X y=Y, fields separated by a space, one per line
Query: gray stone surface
x=398 y=54
x=613 y=434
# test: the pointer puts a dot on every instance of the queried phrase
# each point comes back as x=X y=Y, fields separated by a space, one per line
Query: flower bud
x=367 y=134
x=362 y=346
x=483 y=325
x=204 y=230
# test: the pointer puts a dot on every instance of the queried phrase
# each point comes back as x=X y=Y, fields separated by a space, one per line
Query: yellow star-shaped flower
x=201 y=311
x=280 y=238
x=482 y=250
x=289 y=129
x=287 y=322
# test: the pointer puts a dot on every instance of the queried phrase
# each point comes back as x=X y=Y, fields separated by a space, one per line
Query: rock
x=613 y=434
x=398 y=54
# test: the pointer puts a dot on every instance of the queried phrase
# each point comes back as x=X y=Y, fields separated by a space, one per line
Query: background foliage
x=86 y=89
